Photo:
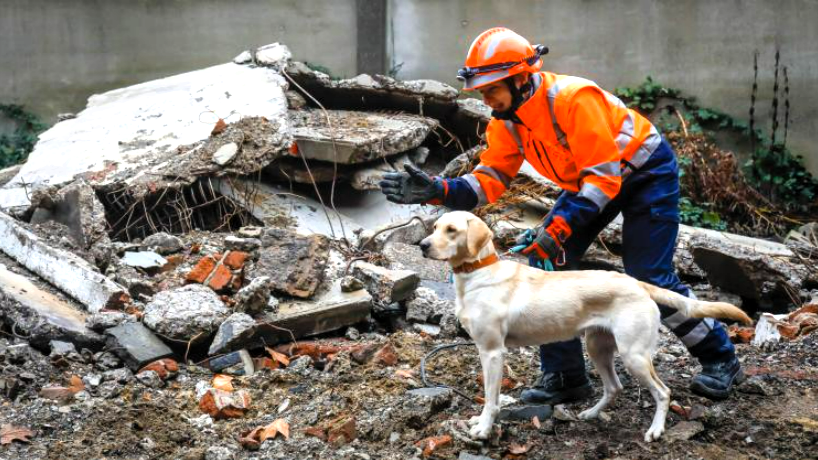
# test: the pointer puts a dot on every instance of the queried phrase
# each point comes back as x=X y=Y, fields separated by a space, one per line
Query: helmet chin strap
x=517 y=100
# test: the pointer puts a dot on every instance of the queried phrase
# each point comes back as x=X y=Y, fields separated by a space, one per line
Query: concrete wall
x=703 y=47
x=56 y=53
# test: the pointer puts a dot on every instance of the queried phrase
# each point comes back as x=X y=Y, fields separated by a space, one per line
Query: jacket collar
x=469 y=267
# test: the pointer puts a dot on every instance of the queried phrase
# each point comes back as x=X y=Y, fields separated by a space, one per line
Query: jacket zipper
x=547 y=158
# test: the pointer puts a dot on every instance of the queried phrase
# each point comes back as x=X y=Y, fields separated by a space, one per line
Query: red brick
x=221 y=278
x=235 y=259
x=386 y=355
x=202 y=270
x=164 y=367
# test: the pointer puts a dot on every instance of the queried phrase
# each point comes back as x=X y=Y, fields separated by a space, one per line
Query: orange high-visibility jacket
x=574 y=133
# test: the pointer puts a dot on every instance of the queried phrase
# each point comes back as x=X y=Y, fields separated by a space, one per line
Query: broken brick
x=386 y=355
x=164 y=368
x=222 y=404
x=431 y=444
x=202 y=270
x=235 y=259
x=341 y=430
x=221 y=278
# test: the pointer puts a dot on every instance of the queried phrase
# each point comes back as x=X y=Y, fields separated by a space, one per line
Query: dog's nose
x=425 y=245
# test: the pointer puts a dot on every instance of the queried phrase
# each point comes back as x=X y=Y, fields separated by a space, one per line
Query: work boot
x=558 y=387
x=717 y=378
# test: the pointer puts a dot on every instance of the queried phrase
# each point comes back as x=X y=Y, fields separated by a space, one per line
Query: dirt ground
x=774 y=414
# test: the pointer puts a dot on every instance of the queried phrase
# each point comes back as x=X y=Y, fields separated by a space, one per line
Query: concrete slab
x=332 y=310
x=64 y=270
x=136 y=345
x=138 y=130
x=358 y=136
x=385 y=285
x=41 y=315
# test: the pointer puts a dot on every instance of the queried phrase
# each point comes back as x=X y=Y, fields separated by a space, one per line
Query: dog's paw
x=654 y=433
x=589 y=414
x=480 y=431
x=474 y=420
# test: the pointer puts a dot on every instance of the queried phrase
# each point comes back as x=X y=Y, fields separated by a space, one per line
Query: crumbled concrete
x=232 y=333
x=225 y=153
x=351 y=284
x=385 y=285
x=255 y=297
x=41 y=315
x=136 y=345
x=76 y=206
x=426 y=307
x=66 y=271
x=410 y=257
x=368 y=178
x=273 y=55
x=146 y=260
x=163 y=243
x=356 y=137
x=235 y=243
x=185 y=313
x=294 y=264
x=105 y=320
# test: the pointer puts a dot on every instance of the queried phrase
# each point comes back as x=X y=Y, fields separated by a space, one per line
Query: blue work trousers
x=649 y=203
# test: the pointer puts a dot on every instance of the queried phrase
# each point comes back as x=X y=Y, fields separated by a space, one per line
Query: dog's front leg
x=491 y=360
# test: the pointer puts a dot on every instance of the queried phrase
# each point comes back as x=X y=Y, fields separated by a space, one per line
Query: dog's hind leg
x=601 y=346
x=640 y=366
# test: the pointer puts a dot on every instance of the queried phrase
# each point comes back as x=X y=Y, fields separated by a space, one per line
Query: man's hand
x=411 y=187
x=540 y=244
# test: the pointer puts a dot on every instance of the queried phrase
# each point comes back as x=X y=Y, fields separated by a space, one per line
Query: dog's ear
x=477 y=235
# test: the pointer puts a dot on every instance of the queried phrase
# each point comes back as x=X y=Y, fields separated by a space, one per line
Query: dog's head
x=458 y=237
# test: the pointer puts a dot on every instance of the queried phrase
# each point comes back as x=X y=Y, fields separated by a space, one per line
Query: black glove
x=411 y=187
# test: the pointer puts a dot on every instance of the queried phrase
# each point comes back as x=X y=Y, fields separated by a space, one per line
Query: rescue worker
x=608 y=159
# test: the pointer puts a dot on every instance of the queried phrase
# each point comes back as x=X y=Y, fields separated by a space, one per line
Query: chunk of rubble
x=76 y=206
x=426 y=307
x=369 y=177
x=186 y=313
x=356 y=137
x=233 y=334
x=410 y=257
x=41 y=315
x=385 y=285
x=329 y=311
x=255 y=297
x=163 y=243
x=294 y=264
x=66 y=271
x=146 y=260
x=136 y=346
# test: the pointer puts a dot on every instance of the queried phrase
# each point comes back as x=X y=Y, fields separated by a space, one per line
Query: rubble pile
x=201 y=267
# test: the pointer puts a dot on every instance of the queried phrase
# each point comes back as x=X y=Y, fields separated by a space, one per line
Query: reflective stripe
x=478 y=189
x=595 y=194
x=641 y=156
x=698 y=334
x=484 y=79
x=625 y=133
x=495 y=174
x=516 y=135
x=675 y=320
x=611 y=168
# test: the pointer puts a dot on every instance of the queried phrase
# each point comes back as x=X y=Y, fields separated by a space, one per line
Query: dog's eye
x=450 y=229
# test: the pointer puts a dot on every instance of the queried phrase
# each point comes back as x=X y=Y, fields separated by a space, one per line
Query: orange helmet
x=496 y=54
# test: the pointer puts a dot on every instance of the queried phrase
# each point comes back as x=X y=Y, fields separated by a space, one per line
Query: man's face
x=496 y=95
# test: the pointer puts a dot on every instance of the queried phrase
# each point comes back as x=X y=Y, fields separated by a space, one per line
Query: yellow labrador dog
x=506 y=304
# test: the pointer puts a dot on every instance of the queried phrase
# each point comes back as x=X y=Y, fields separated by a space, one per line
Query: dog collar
x=469 y=267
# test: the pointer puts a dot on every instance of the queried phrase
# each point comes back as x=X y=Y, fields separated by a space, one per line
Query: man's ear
x=477 y=236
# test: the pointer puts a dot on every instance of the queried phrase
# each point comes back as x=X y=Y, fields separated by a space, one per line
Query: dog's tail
x=695 y=308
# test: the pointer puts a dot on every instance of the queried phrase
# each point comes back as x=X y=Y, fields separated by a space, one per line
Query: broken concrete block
x=426 y=307
x=367 y=178
x=385 y=285
x=40 y=315
x=294 y=264
x=233 y=333
x=234 y=243
x=253 y=298
x=409 y=257
x=185 y=313
x=289 y=170
x=416 y=228
x=356 y=137
x=744 y=271
x=295 y=100
x=163 y=243
x=243 y=58
x=330 y=311
x=273 y=55
x=66 y=271
x=105 y=320
x=76 y=206
x=136 y=345
x=225 y=153
x=146 y=260
x=351 y=284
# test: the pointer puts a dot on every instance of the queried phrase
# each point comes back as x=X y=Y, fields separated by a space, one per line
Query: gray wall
x=703 y=47
x=55 y=53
